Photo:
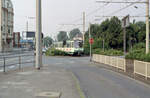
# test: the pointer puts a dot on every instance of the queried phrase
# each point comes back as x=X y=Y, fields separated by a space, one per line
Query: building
x=16 y=39
x=6 y=24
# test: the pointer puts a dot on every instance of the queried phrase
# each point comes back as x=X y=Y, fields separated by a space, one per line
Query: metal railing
x=16 y=59
x=142 y=68
x=117 y=62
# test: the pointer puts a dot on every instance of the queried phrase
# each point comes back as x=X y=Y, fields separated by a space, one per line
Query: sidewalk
x=29 y=83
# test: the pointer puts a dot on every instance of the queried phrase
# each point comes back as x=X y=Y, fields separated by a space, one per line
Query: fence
x=17 y=59
x=142 y=68
x=109 y=60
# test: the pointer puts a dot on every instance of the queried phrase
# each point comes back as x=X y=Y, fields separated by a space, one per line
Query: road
x=98 y=82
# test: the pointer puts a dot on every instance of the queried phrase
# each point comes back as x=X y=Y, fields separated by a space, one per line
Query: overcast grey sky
x=57 y=12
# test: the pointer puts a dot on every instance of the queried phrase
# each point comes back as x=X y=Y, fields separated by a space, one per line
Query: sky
x=58 y=12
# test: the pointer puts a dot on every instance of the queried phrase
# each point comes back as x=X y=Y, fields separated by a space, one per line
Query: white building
x=6 y=24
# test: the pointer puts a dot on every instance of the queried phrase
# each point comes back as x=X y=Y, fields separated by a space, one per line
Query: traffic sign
x=91 y=40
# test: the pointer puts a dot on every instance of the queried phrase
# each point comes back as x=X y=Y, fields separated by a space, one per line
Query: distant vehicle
x=74 y=47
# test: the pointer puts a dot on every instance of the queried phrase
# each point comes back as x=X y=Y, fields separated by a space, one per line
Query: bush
x=55 y=52
x=138 y=55
x=139 y=46
x=108 y=52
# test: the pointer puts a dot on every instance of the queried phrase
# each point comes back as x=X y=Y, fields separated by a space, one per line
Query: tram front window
x=78 y=44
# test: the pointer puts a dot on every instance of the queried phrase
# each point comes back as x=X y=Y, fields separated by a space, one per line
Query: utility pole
x=124 y=40
x=27 y=25
x=1 y=45
x=125 y=23
x=83 y=26
x=147 y=27
x=90 y=43
x=38 y=34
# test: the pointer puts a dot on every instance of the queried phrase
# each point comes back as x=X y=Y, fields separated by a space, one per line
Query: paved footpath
x=29 y=83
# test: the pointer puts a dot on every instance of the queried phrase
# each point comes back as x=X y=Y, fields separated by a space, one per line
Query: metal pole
x=124 y=34
x=4 y=70
x=38 y=35
x=27 y=25
x=19 y=62
x=103 y=45
x=26 y=34
x=90 y=43
x=147 y=27
x=83 y=26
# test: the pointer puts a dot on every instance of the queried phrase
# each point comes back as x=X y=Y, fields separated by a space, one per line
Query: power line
x=119 y=2
x=92 y=12
x=121 y=9
x=119 y=16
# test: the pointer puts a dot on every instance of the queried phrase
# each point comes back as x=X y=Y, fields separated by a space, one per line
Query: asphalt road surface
x=97 y=82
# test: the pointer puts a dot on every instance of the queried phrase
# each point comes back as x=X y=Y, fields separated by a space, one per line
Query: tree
x=62 y=36
x=73 y=33
x=142 y=31
x=113 y=33
x=48 y=41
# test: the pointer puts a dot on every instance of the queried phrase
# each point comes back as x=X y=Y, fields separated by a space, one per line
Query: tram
x=74 y=47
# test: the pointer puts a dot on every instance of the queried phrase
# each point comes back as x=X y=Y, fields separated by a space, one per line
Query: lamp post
x=38 y=35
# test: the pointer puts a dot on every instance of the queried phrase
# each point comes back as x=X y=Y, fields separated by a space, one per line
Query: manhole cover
x=49 y=95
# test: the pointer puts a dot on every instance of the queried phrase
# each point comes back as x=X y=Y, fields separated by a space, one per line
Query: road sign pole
x=38 y=35
x=90 y=43
x=83 y=26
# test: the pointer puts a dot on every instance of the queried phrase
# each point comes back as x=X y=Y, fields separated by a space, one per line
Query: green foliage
x=55 y=52
x=73 y=33
x=62 y=36
x=139 y=46
x=138 y=53
x=111 y=32
x=86 y=47
x=110 y=52
x=48 y=41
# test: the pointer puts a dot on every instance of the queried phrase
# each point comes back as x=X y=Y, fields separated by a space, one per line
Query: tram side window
x=72 y=44
x=55 y=45
x=68 y=46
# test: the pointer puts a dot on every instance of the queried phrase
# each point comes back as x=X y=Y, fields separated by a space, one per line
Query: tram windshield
x=78 y=44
